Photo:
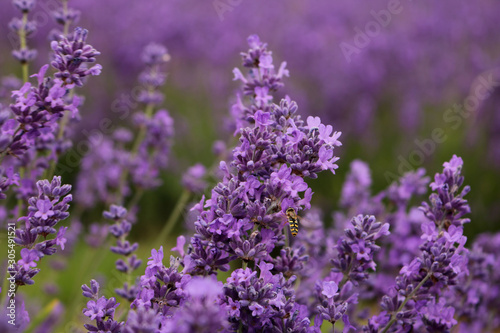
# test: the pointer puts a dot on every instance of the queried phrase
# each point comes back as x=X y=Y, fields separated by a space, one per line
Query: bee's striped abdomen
x=294 y=226
x=293 y=221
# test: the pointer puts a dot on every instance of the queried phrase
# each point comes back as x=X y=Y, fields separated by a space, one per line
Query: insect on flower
x=159 y=301
x=293 y=220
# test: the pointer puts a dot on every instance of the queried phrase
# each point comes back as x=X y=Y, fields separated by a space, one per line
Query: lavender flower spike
x=357 y=248
x=70 y=54
x=448 y=206
x=442 y=261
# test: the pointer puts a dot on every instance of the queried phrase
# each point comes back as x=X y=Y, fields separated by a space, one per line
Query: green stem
x=23 y=45
x=393 y=320
x=2 y=155
x=135 y=148
x=62 y=126
x=20 y=201
x=142 y=131
x=135 y=199
x=65 y=11
x=122 y=315
x=93 y=259
x=174 y=216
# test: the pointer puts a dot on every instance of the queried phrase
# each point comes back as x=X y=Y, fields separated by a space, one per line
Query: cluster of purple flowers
x=33 y=134
x=384 y=265
x=123 y=155
x=45 y=211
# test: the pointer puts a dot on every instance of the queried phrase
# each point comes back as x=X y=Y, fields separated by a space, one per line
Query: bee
x=293 y=221
x=159 y=301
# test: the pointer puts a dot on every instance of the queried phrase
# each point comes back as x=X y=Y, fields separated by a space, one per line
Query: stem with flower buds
x=407 y=298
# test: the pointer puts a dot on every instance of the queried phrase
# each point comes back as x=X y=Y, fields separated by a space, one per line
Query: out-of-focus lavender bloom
x=97 y=234
x=153 y=56
x=24 y=6
x=24 y=55
x=113 y=162
x=66 y=17
x=53 y=319
x=20 y=320
x=106 y=163
x=23 y=28
x=193 y=180
x=354 y=85
x=355 y=191
x=154 y=150
x=409 y=185
x=7 y=84
x=142 y=321
x=72 y=236
x=437 y=317
x=7 y=178
x=201 y=311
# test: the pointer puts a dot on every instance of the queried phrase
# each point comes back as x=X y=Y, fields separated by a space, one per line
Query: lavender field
x=249 y=166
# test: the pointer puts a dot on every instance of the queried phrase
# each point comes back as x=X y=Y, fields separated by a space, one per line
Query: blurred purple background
x=383 y=72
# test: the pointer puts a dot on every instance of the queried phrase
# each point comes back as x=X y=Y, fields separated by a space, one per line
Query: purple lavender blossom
x=120 y=230
x=447 y=206
x=25 y=6
x=264 y=302
x=112 y=161
x=266 y=174
x=23 y=28
x=45 y=211
x=442 y=261
x=334 y=303
x=193 y=181
x=34 y=138
x=357 y=248
x=71 y=55
x=102 y=310
x=437 y=317
x=65 y=17
x=161 y=288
